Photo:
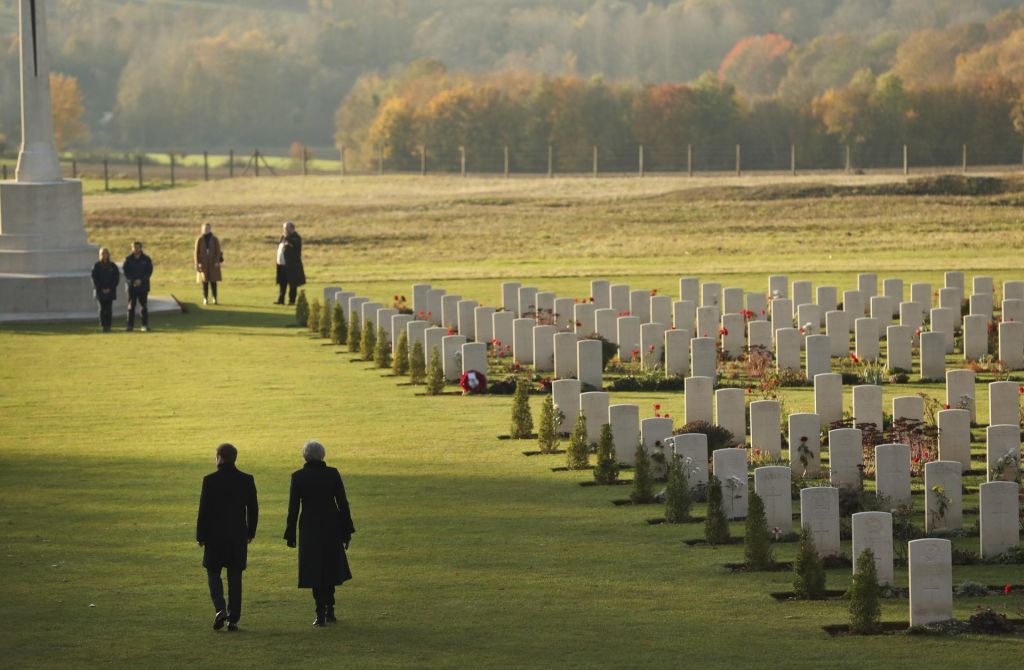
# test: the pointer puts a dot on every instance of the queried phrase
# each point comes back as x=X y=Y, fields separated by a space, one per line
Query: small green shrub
x=643 y=479
x=355 y=333
x=400 y=361
x=678 y=498
x=865 y=605
x=417 y=364
x=522 y=420
x=325 y=321
x=716 y=525
x=435 y=373
x=382 y=352
x=578 y=453
x=314 y=317
x=302 y=310
x=547 y=428
x=757 y=539
x=368 y=342
x=718 y=437
x=809 y=580
x=607 y=469
x=339 y=327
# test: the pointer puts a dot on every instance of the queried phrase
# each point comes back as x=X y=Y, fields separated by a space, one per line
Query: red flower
x=667 y=416
x=396 y=298
x=1021 y=389
x=1007 y=589
x=403 y=298
x=853 y=357
x=635 y=354
x=591 y=299
x=654 y=291
x=651 y=348
x=946 y=406
x=657 y=406
x=656 y=415
x=451 y=331
x=723 y=331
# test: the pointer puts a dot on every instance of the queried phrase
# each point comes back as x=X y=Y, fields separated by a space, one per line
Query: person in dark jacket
x=228 y=513
x=325 y=525
x=290 y=273
x=105 y=276
x=138 y=268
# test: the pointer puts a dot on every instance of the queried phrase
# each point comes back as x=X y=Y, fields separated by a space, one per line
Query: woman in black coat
x=325 y=526
x=105 y=276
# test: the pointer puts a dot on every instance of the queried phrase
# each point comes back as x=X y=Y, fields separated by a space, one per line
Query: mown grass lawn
x=468 y=554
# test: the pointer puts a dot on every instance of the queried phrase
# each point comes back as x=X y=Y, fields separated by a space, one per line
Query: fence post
x=206 y=166
x=5 y=172
x=792 y=159
x=965 y=160
x=231 y=164
x=906 y=164
x=551 y=161
x=689 y=160
x=106 y=175
x=380 y=160
x=305 y=161
x=848 y=166
x=342 y=152
x=172 y=168
x=462 y=160
x=738 y=169
x=595 y=161
x=139 y=159
x=506 y=161
x=423 y=160
x=74 y=169
x=641 y=161
x=256 y=160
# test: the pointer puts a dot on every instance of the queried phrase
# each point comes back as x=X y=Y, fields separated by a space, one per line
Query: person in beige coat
x=208 y=260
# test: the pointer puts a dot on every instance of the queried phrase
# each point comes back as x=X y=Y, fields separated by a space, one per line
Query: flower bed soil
x=778 y=566
x=544 y=453
x=617 y=482
x=662 y=520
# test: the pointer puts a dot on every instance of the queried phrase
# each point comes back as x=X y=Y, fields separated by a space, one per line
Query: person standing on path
x=105 y=276
x=325 y=526
x=138 y=268
x=208 y=258
x=228 y=514
x=290 y=273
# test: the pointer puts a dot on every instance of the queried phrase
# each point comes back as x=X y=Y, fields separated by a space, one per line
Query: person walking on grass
x=318 y=508
x=138 y=268
x=228 y=513
x=290 y=273
x=105 y=276
x=208 y=259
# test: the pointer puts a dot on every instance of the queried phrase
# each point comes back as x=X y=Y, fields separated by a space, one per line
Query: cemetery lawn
x=467 y=553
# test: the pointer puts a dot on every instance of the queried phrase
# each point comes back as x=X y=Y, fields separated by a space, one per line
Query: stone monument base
x=45 y=258
x=158 y=304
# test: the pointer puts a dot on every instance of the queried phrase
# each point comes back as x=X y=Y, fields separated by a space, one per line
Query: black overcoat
x=294 y=272
x=140 y=268
x=105 y=276
x=324 y=523
x=228 y=513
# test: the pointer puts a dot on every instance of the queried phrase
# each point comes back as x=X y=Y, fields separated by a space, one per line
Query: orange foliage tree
x=68 y=128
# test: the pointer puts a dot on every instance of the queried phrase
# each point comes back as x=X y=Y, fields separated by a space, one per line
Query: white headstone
x=819 y=515
x=1013 y=310
x=933 y=356
x=522 y=340
x=730 y=466
x=773 y=484
x=565 y=355
x=693 y=446
x=765 y=432
x=732 y=300
x=867 y=405
x=655 y=433
x=1013 y=290
x=730 y=413
x=867 y=286
x=837 y=326
x=640 y=305
x=565 y=394
x=629 y=338
x=1002 y=452
x=787 y=349
x=999 y=518
x=819 y=359
x=803 y=293
x=652 y=348
x=912 y=315
x=450 y=311
x=510 y=296
x=398 y=325
x=983 y=284
x=474 y=357
x=960 y=391
x=711 y=295
x=329 y=293
x=451 y=350
x=703 y=357
x=866 y=337
x=893 y=290
x=342 y=298
x=607 y=323
x=899 y=347
x=433 y=313
x=1011 y=345
x=594 y=405
x=931 y=581
x=853 y=305
x=873 y=530
x=809 y=318
x=527 y=301
x=828 y=398
x=502 y=325
x=417 y=332
x=544 y=348
x=759 y=334
x=684 y=315
x=892 y=473
x=805 y=444
x=661 y=309
x=625 y=423
x=921 y=293
x=689 y=289
x=778 y=286
x=619 y=295
x=483 y=324
x=950 y=298
x=546 y=307
x=708 y=319
x=908 y=407
x=590 y=364
x=368 y=314
x=845 y=457
x=943 y=489
x=586 y=318
x=565 y=317
x=981 y=305
x=733 y=335
x=955 y=436
x=677 y=353
x=827 y=299
x=881 y=309
x=600 y=291
x=383 y=320
x=944 y=320
x=782 y=314
x=697 y=399
x=466 y=310
x=757 y=305
x=1004 y=403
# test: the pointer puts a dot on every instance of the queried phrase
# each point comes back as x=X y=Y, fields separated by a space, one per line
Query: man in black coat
x=138 y=268
x=290 y=273
x=325 y=526
x=228 y=512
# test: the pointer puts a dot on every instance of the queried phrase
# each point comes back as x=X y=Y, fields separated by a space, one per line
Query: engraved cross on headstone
x=35 y=48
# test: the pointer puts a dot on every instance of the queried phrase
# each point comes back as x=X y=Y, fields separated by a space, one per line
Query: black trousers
x=324 y=598
x=106 y=314
x=207 y=287
x=234 y=604
x=140 y=297
x=293 y=292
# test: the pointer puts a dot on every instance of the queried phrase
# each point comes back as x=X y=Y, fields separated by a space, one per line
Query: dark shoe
x=330 y=616
x=232 y=627
x=130 y=328
x=218 y=621
x=320 y=621
x=279 y=302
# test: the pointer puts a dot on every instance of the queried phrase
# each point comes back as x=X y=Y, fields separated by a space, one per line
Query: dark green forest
x=390 y=75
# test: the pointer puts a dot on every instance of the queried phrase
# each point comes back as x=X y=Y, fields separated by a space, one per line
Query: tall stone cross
x=37 y=160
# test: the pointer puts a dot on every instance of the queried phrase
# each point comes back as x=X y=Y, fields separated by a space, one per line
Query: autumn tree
x=68 y=127
x=757 y=64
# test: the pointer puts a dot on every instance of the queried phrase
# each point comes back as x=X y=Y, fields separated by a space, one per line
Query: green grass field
x=468 y=554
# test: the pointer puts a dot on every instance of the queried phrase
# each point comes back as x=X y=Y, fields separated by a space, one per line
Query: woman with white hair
x=290 y=273
x=105 y=276
x=317 y=506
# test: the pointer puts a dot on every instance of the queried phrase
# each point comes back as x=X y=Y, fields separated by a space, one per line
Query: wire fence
x=158 y=168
